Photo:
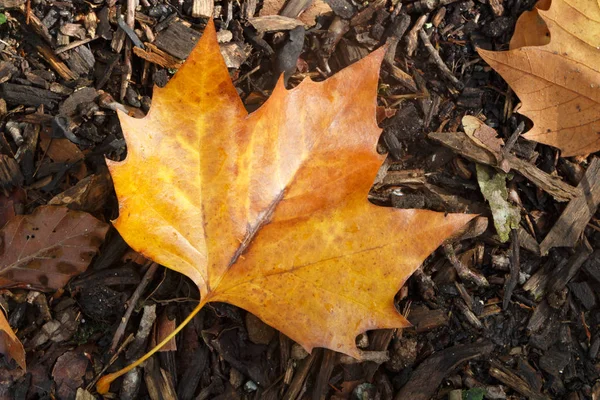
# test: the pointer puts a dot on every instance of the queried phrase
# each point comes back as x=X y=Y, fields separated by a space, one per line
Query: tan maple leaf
x=557 y=80
x=268 y=211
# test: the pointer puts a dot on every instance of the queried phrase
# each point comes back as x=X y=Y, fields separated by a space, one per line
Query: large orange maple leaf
x=269 y=210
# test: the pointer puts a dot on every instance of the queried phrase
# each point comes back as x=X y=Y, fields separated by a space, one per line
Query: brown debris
x=461 y=144
x=429 y=373
x=68 y=373
x=569 y=227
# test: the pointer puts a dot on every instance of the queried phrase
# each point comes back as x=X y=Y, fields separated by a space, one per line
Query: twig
x=438 y=60
x=128 y=29
x=74 y=44
x=463 y=271
x=513 y=139
x=112 y=360
x=411 y=38
x=515 y=269
x=148 y=276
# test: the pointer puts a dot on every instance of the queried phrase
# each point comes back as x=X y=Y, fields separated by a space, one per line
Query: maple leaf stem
x=103 y=385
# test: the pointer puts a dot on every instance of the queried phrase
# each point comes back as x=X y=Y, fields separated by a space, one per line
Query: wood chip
x=429 y=374
x=569 y=227
x=202 y=8
x=274 y=23
x=511 y=379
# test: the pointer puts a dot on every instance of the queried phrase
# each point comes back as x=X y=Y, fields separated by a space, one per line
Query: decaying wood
x=412 y=38
x=301 y=375
x=380 y=341
x=527 y=241
x=8 y=4
x=463 y=271
x=552 y=278
x=158 y=381
x=148 y=276
x=157 y=56
x=178 y=39
x=10 y=174
x=293 y=8
x=429 y=374
x=364 y=15
x=424 y=319
x=322 y=384
x=569 y=227
x=36 y=24
x=435 y=56
x=60 y=67
x=515 y=269
x=460 y=143
x=202 y=8
x=511 y=379
x=274 y=23
x=28 y=95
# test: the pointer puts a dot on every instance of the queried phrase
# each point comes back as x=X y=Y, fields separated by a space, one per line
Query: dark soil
x=491 y=319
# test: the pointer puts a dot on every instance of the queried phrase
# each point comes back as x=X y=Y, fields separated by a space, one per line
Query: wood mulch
x=511 y=320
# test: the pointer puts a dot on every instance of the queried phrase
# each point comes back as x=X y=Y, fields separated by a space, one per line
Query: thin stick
x=515 y=269
x=148 y=276
x=463 y=271
x=438 y=60
x=103 y=385
x=127 y=55
x=74 y=44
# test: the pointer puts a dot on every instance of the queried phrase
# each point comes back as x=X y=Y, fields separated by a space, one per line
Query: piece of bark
x=56 y=63
x=287 y=55
x=7 y=69
x=8 y=4
x=511 y=379
x=300 y=376
x=366 y=13
x=527 y=241
x=159 y=382
x=497 y=7
x=234 y=54
x=584 y=293
x=178 y=40
x=322 y=384
x=81 y=60
x=515 y=269
x=16 y=95
x=429 y=374
x=460 y=143
x=542 y=316
x=164 y=60
x=561 y=276
x=592 y=265
x=36 y=24
x=293 y=8
x=380 y=341
x=342 y=8
x=202 y=8
x=424 y=319
x=10 y=174
x=274 y=23
x=569 y=227
x=192 y=375
x=89 y=194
